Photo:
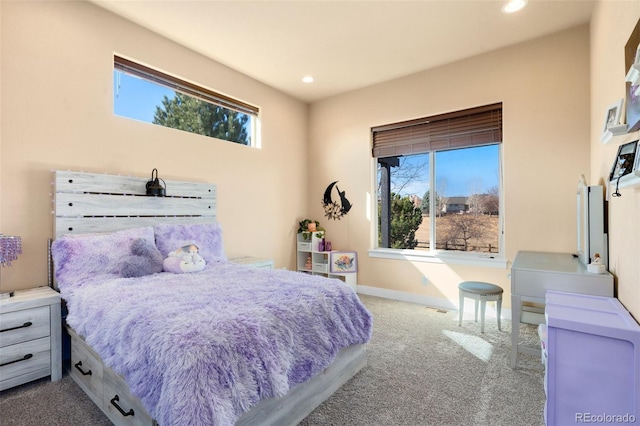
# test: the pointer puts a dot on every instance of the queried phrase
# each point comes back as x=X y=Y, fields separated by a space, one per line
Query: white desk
x=533 y=273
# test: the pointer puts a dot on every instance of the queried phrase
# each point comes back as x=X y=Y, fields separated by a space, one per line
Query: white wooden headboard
x=93 y=202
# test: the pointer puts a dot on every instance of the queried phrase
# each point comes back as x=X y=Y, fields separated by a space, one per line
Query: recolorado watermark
x=605 y=418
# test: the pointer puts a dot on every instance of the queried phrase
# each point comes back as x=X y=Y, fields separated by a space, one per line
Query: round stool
x=483 y=293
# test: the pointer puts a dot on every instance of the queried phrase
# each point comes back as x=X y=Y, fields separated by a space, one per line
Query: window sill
x=475 y=259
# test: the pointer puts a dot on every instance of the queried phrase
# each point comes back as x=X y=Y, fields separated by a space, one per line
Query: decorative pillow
x=144 y=259
x=83 y=257
x=184 y=259
x=206 y=236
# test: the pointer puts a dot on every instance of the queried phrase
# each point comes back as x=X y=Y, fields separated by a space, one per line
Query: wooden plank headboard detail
x=93 y=202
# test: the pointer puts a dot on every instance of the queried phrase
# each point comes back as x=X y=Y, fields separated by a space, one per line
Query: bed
x=228 y=344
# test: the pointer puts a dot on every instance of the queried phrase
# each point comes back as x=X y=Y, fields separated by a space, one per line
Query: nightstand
x=30 y=337
x=255 y=262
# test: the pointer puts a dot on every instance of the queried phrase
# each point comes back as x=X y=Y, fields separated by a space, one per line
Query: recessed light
x=307 y=79
x=514 y=6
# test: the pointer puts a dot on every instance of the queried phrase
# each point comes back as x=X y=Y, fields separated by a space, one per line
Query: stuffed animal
x=144 y=259
x=184 y=259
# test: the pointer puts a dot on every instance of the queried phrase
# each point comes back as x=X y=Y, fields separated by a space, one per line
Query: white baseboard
x=433 y=302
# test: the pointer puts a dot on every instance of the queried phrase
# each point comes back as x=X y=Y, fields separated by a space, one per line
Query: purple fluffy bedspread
x=203 y=348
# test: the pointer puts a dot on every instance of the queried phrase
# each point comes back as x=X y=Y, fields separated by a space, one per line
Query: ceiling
x=348 y=44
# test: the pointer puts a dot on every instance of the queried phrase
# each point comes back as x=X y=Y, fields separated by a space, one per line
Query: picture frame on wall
x=612 y=117
x=342 y=262
x=625 y=161
x=612 y=124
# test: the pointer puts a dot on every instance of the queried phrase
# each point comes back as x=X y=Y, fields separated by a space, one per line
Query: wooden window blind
x=174 y=83
x=460 y=129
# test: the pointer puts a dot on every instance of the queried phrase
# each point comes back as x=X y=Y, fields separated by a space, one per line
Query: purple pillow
x=207 y=236
x=94 y=257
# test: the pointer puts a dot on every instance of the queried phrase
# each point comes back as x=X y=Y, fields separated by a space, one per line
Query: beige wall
x=544 y=87
x=611 y=26
x=56 y=81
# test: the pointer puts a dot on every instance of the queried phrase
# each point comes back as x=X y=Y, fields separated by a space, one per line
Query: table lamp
x=10 y=248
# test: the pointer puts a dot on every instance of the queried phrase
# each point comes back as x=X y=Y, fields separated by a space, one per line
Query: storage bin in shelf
x=309 y=241
x=302 y=246
x=320 y=267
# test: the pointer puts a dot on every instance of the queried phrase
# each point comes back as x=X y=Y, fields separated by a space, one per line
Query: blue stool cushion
x=478 y=287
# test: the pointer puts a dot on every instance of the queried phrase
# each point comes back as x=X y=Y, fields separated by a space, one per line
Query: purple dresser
x=592 y=360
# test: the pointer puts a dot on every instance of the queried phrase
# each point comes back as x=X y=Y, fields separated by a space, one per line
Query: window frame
x=493 y=260
x=151 y=75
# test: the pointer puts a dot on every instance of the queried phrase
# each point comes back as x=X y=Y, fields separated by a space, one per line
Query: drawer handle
x=25 y=325
x=24 y=358
x=113 y=402
x=77 y=365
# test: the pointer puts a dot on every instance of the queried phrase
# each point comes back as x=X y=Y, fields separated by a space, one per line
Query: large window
x=148 y=95
x=439 y=182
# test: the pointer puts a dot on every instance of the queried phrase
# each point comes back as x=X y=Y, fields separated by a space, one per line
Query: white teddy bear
x=184 y=259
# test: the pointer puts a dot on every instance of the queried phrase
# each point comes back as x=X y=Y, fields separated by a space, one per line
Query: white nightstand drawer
x=27 y=324
x=23 y=358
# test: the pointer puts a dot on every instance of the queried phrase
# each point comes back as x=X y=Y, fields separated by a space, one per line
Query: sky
x=136 y=98
x=468 y=171
x=465 y=171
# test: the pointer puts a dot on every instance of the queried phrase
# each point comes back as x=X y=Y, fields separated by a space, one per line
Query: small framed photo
x=612 y=118
x=612 y=124
x=341 y=262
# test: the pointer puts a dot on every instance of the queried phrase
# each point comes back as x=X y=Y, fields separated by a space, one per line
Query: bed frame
x=90 y=202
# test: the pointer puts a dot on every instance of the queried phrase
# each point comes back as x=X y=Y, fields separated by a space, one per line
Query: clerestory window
x=145 y=94
x=439 y=183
